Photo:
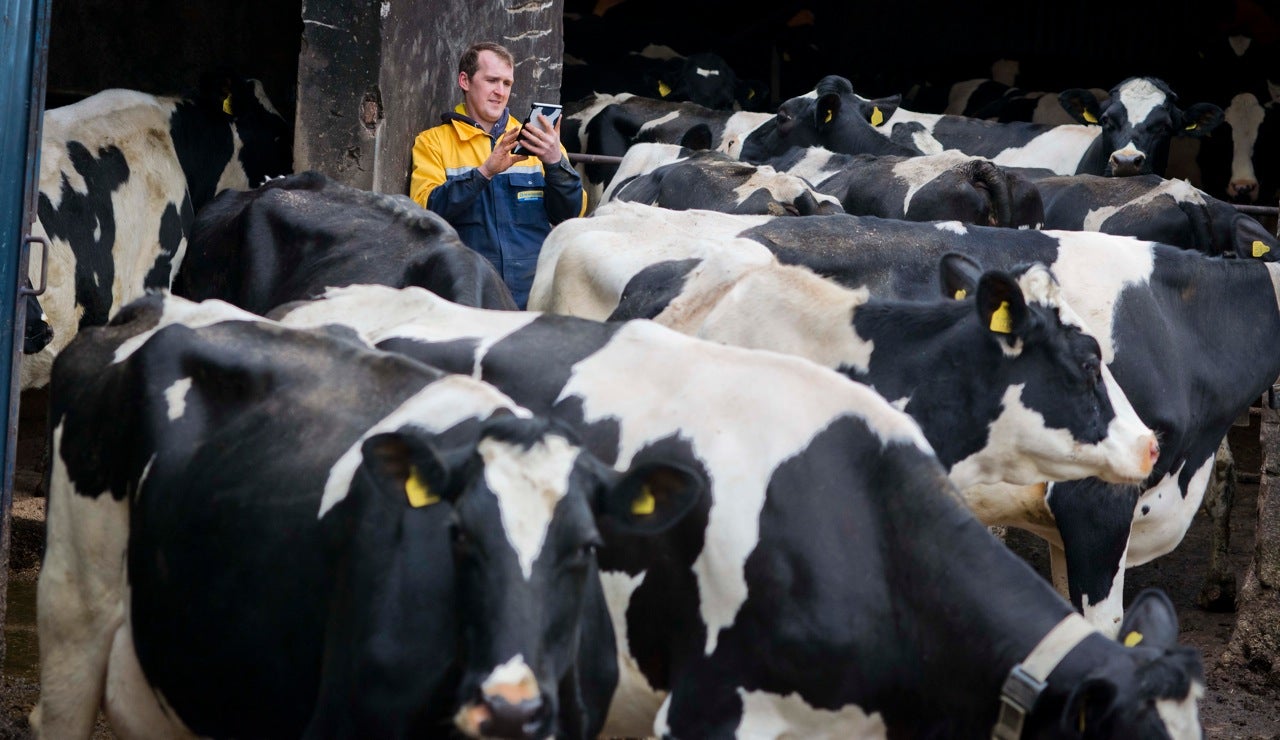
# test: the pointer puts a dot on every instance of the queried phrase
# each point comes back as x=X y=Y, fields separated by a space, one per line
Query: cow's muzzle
x=1127 y=164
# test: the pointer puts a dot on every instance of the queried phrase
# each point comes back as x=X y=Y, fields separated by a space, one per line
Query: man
x=502 y=204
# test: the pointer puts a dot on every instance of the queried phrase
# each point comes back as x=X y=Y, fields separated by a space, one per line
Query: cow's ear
x=1087 y=707
x=1274 y=91
x=958 y=276
x=1080 y=105
x=1001 y=306
x=1150 y=620
x=408 y=469
x=217 y=91
x=651 y=497
x=827 y=110
x=1250 y=240
x=881 y=109
x=697 y=138
x=1200 y=119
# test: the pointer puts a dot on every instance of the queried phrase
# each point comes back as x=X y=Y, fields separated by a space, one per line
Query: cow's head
x=265 y=139
x=1138 y=120
x=832 y=116
x=1246 y=173
x=1151 y=689
x=1060 y=415
x=522 y=500
x=37 y=333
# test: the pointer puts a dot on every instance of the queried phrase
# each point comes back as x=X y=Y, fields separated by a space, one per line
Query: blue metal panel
x=24 y=28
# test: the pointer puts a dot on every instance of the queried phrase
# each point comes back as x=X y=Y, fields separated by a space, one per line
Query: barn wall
x=371 y=77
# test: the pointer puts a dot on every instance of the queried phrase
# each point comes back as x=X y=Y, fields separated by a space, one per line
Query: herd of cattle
x=313 y=475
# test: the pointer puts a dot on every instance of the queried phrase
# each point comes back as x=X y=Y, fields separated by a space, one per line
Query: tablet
x=550 y=110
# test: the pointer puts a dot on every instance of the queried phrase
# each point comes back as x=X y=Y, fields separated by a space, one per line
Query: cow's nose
x=1124 y=164
x=512 y=719
x=1243 y=189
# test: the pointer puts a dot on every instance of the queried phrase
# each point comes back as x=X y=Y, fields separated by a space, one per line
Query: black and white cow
x=658 y=71
x=610 y=124
x=950 y=186
x=122 y=174
x=832 y=585
x=989 y=100
x=1024 y=401
x=1239 y=164
x=671 y=176
x=1152 y=208
x=1187 y=336
x=257 y=531
x=293 y=237
x=1024 y=411
x=1135 y=126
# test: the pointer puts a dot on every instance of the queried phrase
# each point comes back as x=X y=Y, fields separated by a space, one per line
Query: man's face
x=487 y=91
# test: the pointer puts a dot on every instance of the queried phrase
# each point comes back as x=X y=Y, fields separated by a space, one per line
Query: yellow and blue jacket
x=505 y=219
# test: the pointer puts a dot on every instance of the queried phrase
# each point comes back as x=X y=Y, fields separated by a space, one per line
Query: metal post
x=24 y=47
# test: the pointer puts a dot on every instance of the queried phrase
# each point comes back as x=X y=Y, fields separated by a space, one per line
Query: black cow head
x=37 y=333
x=1138 y=120
x=1154 y=696
x=833 y=116
x=1042 y=348
x=522 y=501
x=266 y=138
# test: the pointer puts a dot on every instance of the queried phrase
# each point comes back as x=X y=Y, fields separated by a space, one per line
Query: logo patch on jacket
x=524 y=195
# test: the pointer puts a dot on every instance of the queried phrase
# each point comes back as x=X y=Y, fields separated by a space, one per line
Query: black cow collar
x=1027 y=680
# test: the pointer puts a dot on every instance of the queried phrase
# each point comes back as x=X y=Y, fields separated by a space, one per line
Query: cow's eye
x=1092 y=368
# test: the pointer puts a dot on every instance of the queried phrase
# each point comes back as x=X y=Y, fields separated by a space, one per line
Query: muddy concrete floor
x=1238 y=705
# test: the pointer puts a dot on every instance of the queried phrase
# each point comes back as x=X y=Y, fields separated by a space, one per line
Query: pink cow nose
x=1153 y=453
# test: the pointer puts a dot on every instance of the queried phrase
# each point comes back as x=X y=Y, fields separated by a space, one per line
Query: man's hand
x=501 y=158
x=543 y=140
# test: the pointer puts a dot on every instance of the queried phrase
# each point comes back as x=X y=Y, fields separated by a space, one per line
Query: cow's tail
x=996 y=182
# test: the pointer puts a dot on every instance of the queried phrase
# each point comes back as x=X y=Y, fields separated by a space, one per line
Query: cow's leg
x=1094 y=519
x=1218 y=593
x=79 y=605
x=1058 y=569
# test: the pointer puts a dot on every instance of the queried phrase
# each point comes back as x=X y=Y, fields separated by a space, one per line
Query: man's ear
x=958 y=276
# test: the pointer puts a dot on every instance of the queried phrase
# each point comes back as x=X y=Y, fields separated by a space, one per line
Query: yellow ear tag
x=961 y=294
x=226 y=105
x=1133 y=638
x=416 y=489
x=1080 y=720
x=1001 y=321
x=877 y=116
x=644 y=504
x=663 y=89
x=751 y=95
x=1090 y=117
x=1260 y=249
x=828 y=118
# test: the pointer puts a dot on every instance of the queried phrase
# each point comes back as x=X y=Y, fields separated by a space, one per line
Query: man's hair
x=470 y=61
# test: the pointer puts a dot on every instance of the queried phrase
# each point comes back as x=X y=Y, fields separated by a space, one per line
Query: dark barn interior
x=913 y=48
